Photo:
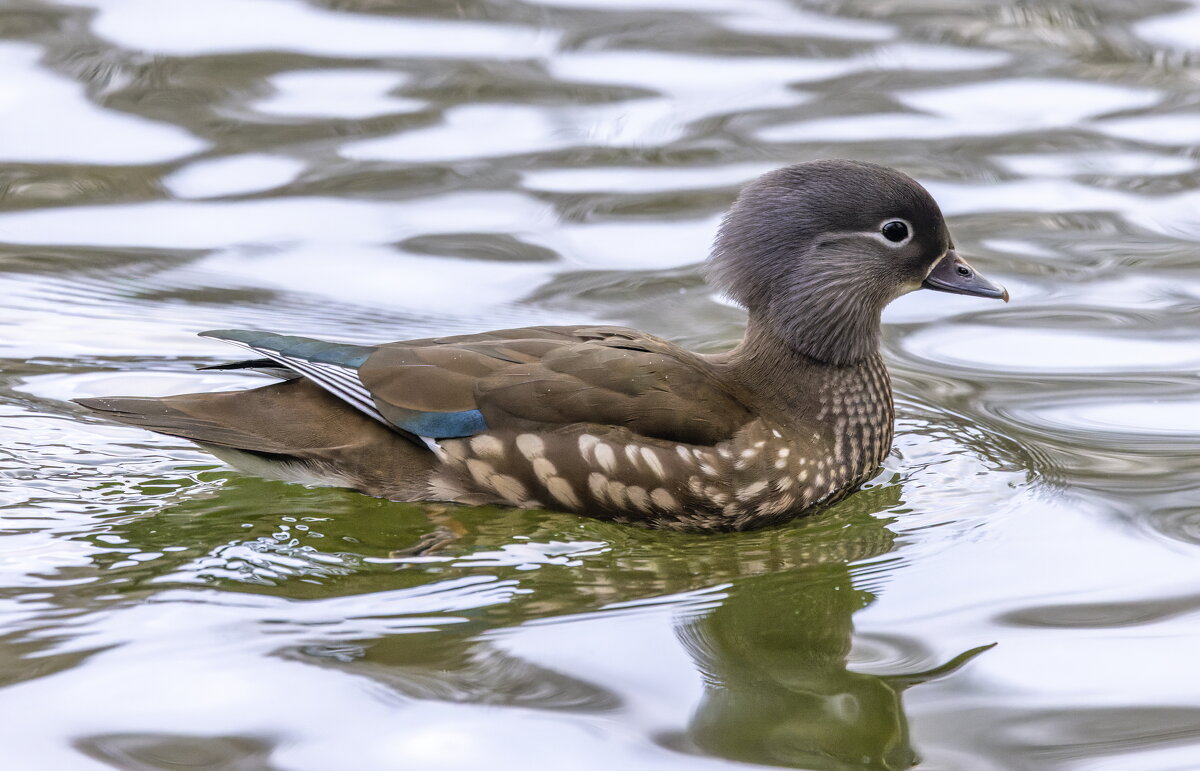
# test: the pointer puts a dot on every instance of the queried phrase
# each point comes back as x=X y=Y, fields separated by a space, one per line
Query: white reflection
x=1024 y=195
x=1175 y=130
x=920 y=57
x=281 y=221
x=1165 y=416
x=1176 y=30
x=731 y=83
x=637 y=179
x=232 y=175
x=979 y=109
x=383 y=277
x=345 y=93
x=229 y=653
x=49 y=119
x=867 y=128
x=488 y=130
x=1106 y=164
x=190 y=27
x=1046 y=350
x=747 y=79
x=1088 y=558
x=636 y=654
x=491 y=130
x=785 y=19
x=531 y=555
x=135 y=383
x=633 y=245
x=478 y=131
x=1175 y=215
x=1020 y=103
x=760 y=17
x=689 y=88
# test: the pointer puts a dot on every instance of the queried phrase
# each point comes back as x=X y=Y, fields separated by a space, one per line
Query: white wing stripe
x=327 y=380
x=336 y=380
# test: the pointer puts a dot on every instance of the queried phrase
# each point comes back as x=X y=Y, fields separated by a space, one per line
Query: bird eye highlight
x=894 y=231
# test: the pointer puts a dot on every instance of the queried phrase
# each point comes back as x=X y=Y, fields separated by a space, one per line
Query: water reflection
x=368 y=170
x=778 y=688
x=766 y=616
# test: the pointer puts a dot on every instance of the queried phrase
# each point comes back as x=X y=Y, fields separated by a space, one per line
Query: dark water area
x=370 y=170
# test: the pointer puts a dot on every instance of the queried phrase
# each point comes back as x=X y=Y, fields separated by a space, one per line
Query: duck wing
x=530 y=379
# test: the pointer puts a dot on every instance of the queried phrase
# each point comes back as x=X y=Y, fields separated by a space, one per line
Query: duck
x=610 y=422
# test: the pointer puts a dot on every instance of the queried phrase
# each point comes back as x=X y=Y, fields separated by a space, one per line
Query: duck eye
x=895 y=231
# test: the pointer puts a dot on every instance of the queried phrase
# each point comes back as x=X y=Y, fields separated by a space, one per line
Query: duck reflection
x=773 y=652
x=777 y=687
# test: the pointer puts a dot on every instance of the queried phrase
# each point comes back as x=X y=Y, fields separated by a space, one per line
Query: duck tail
x=287 y=423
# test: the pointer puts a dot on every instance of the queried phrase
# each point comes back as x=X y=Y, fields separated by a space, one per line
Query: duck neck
x=841 y=329
x=780 y=370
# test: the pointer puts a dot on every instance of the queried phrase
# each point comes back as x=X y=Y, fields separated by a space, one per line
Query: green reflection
x=778 y=689
x=773 y=651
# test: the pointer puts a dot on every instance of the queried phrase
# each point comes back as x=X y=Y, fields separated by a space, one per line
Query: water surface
x=372 y=170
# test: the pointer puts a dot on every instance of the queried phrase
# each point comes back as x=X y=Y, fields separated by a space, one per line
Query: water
x=368 y=170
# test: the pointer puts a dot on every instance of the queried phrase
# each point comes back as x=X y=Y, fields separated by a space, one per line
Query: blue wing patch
x=435 y=425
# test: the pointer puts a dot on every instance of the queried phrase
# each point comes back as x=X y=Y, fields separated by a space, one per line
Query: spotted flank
x=764 y=474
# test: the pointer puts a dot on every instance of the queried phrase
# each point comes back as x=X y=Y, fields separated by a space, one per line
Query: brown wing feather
x=439 y=374
x=652 y=394
x=544 y=377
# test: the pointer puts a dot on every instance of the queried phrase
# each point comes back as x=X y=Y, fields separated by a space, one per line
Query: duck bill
x=953 y=274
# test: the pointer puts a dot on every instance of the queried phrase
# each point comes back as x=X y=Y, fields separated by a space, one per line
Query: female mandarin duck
x=611 y=422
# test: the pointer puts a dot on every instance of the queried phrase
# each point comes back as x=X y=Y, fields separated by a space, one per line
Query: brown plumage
x=611 y=422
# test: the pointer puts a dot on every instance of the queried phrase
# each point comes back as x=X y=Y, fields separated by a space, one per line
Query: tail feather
x=165 y=417
x=293 y=419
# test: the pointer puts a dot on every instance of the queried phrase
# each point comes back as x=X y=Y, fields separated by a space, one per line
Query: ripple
x=949 y=474
x=1111 y=615
x=1158 y=417
x=523 y=555
x=759 y=17
x=1181 y=523
x=479 y=131
x=753 y=82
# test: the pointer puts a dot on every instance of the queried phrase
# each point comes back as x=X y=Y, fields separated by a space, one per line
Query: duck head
x=815 y=252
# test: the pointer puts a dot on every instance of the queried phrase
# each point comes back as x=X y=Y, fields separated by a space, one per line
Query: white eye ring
x=877 y=233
